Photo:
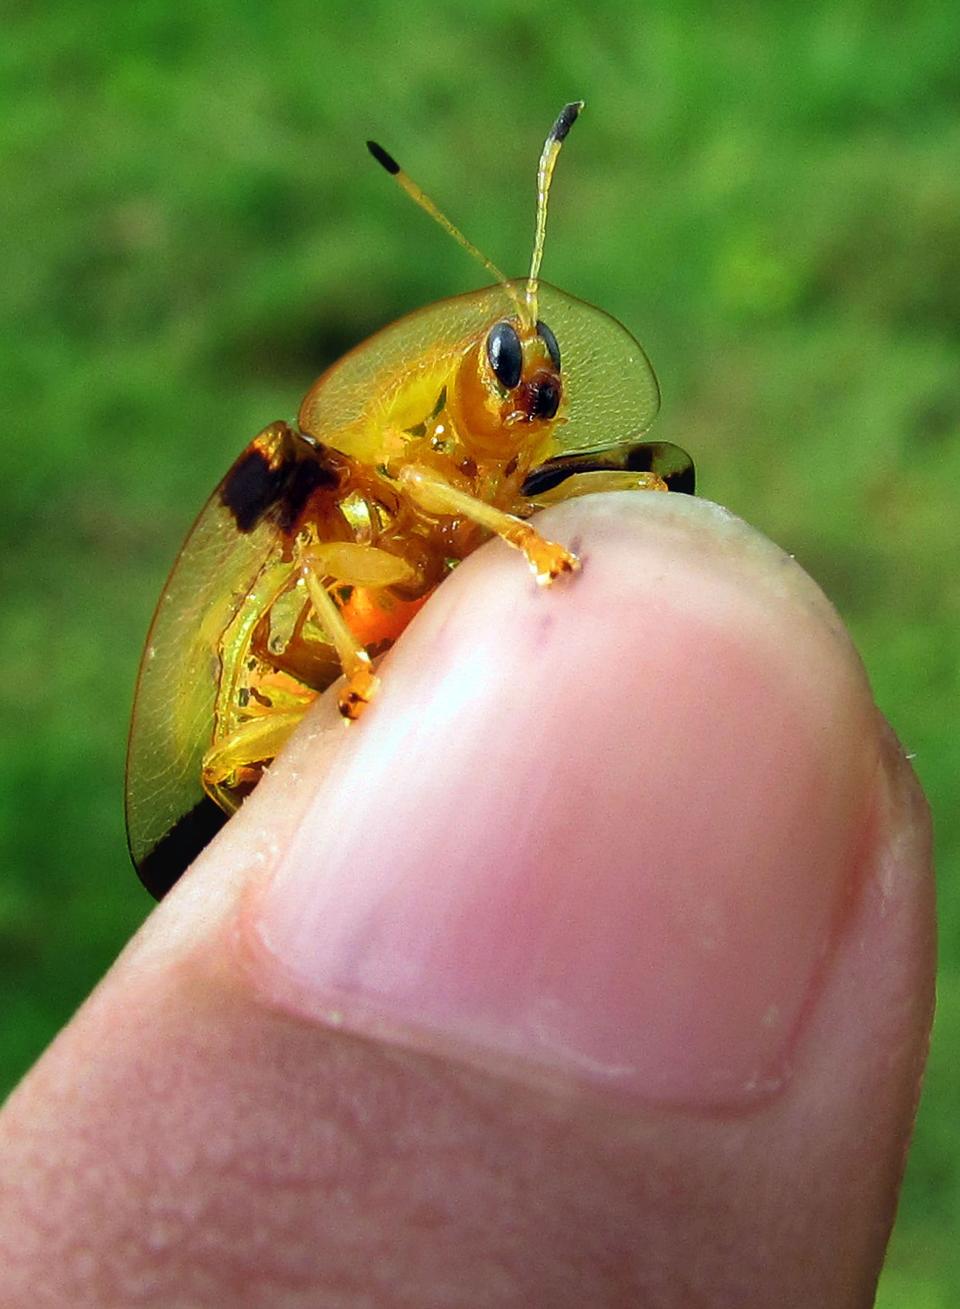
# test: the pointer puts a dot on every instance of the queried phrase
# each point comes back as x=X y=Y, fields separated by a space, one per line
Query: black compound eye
x=550 y=341
x=505 y=354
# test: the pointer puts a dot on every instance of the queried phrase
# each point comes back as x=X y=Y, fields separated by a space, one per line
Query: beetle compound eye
x=550 y=341
x=505 y=354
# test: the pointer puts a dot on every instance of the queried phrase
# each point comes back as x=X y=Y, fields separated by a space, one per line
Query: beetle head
x=508 y=388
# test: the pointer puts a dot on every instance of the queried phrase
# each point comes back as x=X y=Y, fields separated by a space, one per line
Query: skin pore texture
x=594 y=966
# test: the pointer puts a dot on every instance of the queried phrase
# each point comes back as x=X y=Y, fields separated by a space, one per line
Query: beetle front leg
x=351 y=564
x=355 y=565
x=429 y=491
x=362 y=682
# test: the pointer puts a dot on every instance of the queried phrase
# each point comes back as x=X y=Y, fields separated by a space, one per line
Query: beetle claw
x=551 y=561
x=357 y=693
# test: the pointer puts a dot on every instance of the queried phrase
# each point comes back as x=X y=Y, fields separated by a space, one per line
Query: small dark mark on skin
x=545 y=625
x=468 y=467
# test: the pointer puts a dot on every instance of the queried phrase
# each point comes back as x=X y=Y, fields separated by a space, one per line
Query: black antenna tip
x=566 y=119
x=381 y=156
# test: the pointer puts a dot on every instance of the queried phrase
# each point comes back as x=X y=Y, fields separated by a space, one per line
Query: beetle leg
x=244 y=751
x=598 y=480
x=235 y=762
x=362 y=683
x=427 y=490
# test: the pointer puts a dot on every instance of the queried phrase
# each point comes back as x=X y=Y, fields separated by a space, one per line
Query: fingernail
x=607 y=831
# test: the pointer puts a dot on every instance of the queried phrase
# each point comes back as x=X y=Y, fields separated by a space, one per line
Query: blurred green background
x=768 y=196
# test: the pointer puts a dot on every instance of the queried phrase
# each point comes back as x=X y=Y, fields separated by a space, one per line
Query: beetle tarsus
x=360 y=689
x=548 y=561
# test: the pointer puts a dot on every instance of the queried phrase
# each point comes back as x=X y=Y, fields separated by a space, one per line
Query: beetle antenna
x=420 y=197
x=548 y=161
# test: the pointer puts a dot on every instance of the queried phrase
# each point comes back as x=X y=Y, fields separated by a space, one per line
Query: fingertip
x=626 y=865
x=605 y=829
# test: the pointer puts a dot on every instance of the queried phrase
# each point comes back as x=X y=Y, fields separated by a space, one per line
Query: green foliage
x=192 y=230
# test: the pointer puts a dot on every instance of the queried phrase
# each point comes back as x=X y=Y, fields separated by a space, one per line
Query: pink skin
x=594 y=967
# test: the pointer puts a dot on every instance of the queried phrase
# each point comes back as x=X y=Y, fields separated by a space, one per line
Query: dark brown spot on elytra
x=668 y=461
x=175 y=851
x=307 y=476
x=278 y=483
